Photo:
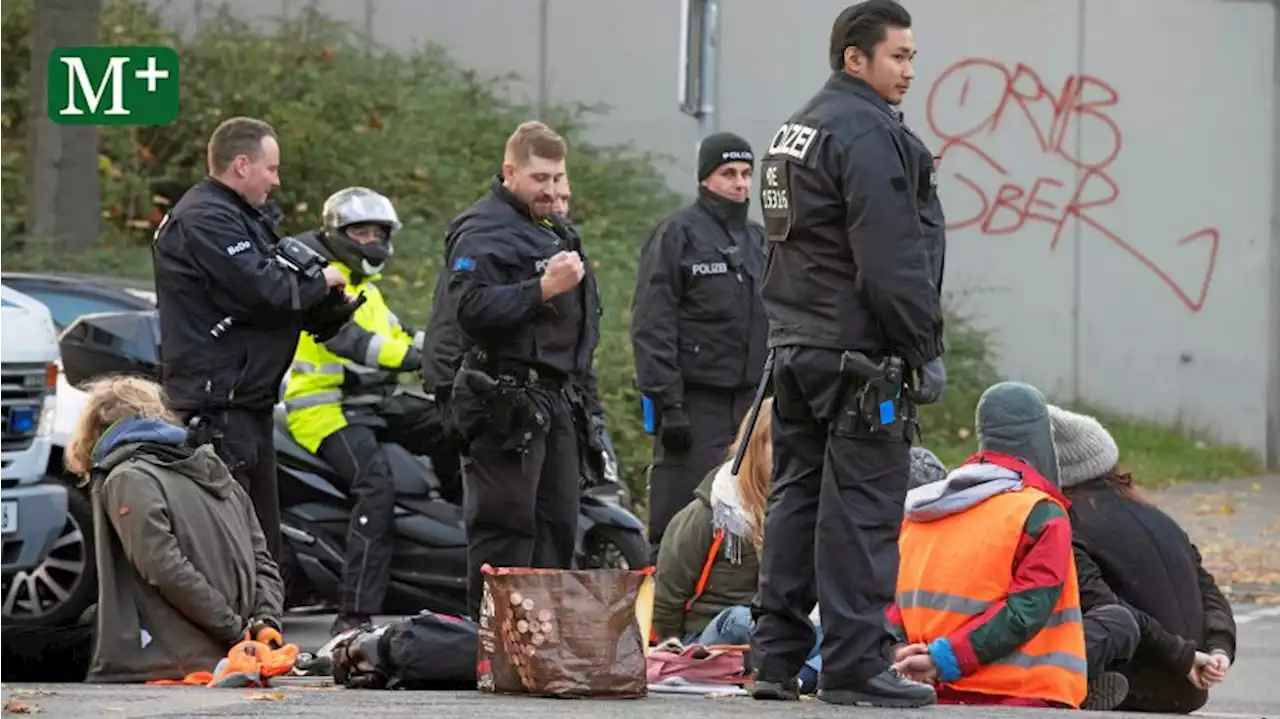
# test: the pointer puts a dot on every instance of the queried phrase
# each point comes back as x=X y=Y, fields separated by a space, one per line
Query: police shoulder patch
x=464 y=264
x=775 y=198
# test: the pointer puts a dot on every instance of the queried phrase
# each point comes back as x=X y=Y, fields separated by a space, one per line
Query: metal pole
x=542 y=59
x=709 y=67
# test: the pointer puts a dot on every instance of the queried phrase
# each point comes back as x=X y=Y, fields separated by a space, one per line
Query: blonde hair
x=756 y=473
x=532 y=139
x=110 y=400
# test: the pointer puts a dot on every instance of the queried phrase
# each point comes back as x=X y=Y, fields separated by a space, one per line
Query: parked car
x=58 y=586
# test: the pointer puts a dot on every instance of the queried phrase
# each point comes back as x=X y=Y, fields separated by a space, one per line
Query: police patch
x=775 y=199
x=702 y=269
x=464 y=264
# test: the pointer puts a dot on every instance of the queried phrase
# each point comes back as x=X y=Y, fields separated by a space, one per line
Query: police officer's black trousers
x=243 y=441
x=831 y=530
x=714 y=417
x=521 y=504
x=355 y=452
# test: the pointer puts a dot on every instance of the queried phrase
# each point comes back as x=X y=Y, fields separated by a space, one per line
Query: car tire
x=65 y=583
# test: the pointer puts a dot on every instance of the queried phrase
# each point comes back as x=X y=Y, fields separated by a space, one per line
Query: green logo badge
x=113 y=85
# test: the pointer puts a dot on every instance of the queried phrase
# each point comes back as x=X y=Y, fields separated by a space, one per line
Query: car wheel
x=59 y=589
x=609 y=547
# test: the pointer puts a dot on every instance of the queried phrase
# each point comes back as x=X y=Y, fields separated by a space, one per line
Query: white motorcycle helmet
x=359 y=206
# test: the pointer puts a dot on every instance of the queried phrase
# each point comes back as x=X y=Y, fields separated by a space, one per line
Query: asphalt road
x=1251 y=690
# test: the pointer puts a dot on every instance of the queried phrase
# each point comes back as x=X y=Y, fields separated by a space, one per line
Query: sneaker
x=1106 y=692
x=886 y=689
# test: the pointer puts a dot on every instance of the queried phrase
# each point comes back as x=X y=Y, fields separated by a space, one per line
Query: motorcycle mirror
x=97 y=345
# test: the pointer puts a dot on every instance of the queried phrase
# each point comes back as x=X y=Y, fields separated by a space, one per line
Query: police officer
x=698 y=328
x=343 y=400
x=230 y=312
x=523 y=294
x=857 y=252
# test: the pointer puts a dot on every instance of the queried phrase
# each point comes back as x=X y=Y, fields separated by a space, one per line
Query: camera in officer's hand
x=294 y=254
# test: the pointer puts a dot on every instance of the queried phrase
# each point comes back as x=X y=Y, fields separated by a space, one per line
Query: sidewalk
x=1236 y=526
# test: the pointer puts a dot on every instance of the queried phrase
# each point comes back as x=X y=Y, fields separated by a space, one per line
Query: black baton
x=755 y=413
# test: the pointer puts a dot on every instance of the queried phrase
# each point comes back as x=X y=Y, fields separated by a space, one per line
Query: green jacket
x=685 y=546
x=183 y=567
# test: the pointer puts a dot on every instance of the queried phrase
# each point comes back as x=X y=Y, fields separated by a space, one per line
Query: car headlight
x=48 y=412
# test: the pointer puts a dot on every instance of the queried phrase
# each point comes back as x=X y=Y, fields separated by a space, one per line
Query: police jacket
x=496 y=257
x=362 y=361
x=696 y=317
x=213 y=257
x=850 y=204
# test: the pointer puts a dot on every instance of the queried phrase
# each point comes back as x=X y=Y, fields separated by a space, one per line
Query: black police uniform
x=230 y=316
x=698 y=332
x=524 y=394
x=849 y=203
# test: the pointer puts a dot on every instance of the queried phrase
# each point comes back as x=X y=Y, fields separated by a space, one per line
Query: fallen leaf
x=276 y=695
x=963 y=433
x=1257 y=486
x=17 y=706
x=1226 y=510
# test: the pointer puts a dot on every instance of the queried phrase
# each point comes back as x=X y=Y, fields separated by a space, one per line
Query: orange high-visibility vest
x=958 y=567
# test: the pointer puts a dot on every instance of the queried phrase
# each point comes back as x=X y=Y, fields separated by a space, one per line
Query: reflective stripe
x=942 y=602
x=419 y=338
x=375 y=350
x=1070 y=615
x=310 y=367
x=1061 y=660
x=362 y=399
x=312 y=400
x=391 y=317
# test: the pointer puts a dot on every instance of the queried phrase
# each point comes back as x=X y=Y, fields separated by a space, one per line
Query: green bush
x=415 y=126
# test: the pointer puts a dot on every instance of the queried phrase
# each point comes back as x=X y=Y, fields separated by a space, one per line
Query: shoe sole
x=858 y=699
x=1106 y=692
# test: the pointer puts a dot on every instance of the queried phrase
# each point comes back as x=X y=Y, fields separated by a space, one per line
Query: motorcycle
x=429 y=567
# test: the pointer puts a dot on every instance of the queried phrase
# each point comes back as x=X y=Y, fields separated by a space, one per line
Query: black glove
x=674 y=428
x=334 y=311
x=933 y=382
x=412 y=361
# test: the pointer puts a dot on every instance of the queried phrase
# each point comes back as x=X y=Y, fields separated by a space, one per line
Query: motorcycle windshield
x=101 y=344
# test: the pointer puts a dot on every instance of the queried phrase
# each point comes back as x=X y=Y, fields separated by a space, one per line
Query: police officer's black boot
x=349 y=620
x=771 y=689
x=886 y=689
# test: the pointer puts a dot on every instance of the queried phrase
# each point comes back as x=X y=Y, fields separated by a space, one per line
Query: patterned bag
x=561 y=633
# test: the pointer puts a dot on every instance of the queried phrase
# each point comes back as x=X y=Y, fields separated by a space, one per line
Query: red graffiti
x=976 y=98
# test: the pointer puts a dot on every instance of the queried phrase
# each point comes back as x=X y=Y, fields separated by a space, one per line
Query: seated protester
x=987 y=604
x=183 y=568
x=1129 y=552
x=708 y=570
x=707 y=567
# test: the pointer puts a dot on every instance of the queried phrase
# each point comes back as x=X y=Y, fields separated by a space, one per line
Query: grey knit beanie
x=1086 y=450
x=925 y=468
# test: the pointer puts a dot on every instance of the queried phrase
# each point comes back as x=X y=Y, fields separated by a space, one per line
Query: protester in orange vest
x=987 y=603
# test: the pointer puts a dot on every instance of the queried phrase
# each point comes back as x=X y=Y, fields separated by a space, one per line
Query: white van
x=34 y=511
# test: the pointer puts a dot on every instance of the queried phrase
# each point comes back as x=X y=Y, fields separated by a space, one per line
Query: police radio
x=294 y=254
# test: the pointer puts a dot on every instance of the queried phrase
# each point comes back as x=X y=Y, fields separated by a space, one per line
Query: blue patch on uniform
x=464 y=264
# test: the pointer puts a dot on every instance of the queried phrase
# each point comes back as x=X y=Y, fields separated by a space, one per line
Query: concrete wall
x=1108 y=167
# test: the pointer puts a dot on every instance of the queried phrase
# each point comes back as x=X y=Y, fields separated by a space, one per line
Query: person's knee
x=1121 y=627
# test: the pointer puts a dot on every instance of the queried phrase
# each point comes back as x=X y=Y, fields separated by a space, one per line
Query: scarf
x=727 y=514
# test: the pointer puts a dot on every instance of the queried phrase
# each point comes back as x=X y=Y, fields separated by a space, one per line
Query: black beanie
x=722 y=148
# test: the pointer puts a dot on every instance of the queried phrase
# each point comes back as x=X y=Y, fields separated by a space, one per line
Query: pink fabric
x=698 y=665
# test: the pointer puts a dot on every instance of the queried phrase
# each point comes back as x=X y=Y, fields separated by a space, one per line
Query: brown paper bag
x=562 y=633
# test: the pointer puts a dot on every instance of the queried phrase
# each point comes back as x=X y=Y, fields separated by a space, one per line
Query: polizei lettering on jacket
x=238 y=247
x=709 y=268
x=793 y=140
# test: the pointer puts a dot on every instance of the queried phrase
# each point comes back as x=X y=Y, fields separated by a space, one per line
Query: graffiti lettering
x=976 y=98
